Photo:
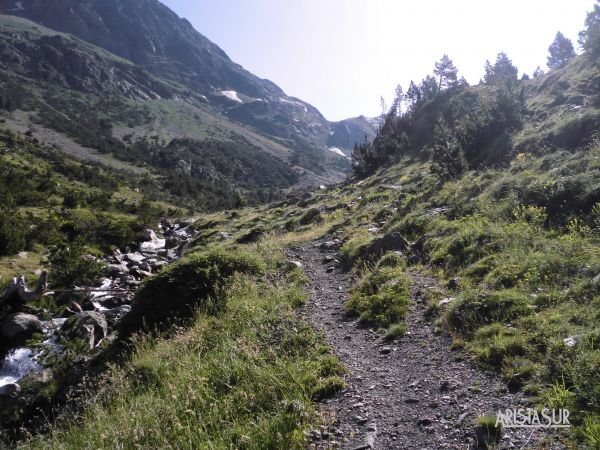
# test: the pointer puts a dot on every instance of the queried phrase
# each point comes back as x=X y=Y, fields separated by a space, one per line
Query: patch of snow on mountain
x=337 y=151
x=232 y=95
x=291 y=102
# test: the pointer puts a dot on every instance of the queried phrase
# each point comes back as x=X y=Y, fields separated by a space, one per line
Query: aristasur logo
x=533 y=418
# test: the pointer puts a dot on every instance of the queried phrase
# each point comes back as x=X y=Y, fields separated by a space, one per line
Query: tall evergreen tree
x=589 y=39
x=560 y=51
x=413 y=94
x=446 y=72
x=503 y=71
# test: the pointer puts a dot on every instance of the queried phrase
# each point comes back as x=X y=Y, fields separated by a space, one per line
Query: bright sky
x=342 y=55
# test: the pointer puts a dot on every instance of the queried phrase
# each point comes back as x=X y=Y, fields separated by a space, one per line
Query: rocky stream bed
x=34 y=341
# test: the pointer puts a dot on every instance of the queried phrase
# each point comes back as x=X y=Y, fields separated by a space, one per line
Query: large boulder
x=89 y=326
x=393 y=241
x=135 y=258
x=149 y=235
x=20 y=327
x=116 y=270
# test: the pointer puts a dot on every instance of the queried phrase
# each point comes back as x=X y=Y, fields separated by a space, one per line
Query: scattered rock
x=116 y=314
x=596 y=280
x=223 y=236
x=294 y=264
x=571 y=341
x=331 y=245
x=10 y=390
x=386 y=243
x=89 y=326
x=158 y=265
x=425 y=422
x=172 y=242
x=149 y=235
x=116 y=270
x=20 y=327
x=445 y=301
x=385 y=350
x=135 y=258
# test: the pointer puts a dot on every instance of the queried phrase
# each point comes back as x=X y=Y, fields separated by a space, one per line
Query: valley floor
x=415 y=393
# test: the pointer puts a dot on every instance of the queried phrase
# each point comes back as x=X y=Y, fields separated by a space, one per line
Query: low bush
x=382 y=297
x=192 y=284
x=350 y=251
x=474 y=310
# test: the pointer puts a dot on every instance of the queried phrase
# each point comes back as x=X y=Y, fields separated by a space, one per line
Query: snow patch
x=232 y=95
x=291 y=102
x=337 y=151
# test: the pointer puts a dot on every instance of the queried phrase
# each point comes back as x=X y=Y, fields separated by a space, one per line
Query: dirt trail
x=415 y=393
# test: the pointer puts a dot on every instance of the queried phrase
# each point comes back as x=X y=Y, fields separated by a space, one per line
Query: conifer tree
x=560 y=51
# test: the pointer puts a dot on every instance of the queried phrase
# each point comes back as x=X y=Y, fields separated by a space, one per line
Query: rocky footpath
x=414 y=393
x=35 y=343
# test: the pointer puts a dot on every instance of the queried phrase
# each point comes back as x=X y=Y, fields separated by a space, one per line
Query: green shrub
x=381 y=298
x=465 y=242
x=350 y=251
x=311 y=216
x=492 y=343
x=395 y=331
x=473 y=310
x=70 y=267
x=591 y=431
x=192 y=284
x=327 y=388
x=487 y=434
x=12 y=231
x=252 y=236
x=392 y=259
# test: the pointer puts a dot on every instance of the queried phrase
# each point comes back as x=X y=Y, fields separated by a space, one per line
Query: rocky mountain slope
x=148 y=59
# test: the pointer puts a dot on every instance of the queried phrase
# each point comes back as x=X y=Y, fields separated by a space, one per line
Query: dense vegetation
x=243 y=374
x=49 y=201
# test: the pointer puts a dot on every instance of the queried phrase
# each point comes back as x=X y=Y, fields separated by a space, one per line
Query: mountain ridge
x=153 y=62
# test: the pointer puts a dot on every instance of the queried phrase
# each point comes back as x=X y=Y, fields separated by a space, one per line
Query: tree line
x=464 y=129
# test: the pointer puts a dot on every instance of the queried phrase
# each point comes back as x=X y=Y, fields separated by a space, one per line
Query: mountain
x=346 y=133
x=108 y=73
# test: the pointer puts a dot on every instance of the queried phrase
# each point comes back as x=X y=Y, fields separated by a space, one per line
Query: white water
x=97 y=296
x=152 y=246
x=17 y=364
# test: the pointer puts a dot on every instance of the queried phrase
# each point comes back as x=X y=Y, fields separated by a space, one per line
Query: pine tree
x=413 y=94
x=589 y=39
x=446 y=72
x=560 y=51
x=538 y=72
x=503 y=71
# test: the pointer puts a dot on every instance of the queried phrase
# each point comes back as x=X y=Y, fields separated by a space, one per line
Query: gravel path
x=415 y=393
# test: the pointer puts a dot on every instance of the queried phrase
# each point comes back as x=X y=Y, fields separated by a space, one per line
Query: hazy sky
x=342 y=55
